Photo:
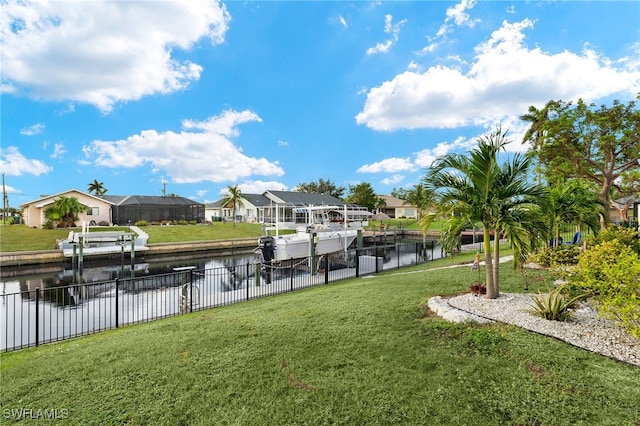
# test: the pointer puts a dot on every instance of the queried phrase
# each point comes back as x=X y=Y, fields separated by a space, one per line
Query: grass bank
x=22 y=238
x=363 y=351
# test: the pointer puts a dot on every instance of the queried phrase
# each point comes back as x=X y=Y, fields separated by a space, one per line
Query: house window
x=409 y=212
x=93 y=212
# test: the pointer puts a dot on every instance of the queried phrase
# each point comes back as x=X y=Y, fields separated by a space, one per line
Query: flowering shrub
x=611 y=272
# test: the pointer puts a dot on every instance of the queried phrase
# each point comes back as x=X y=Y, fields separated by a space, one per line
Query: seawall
x=158 y=250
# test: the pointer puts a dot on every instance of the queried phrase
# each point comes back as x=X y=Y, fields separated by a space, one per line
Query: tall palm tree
x=65 y=211
x=97 y=187
x=233 y=199
x=536 y=133
x=478 y=189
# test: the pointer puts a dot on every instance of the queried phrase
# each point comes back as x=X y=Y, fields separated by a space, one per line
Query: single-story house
x=624 y=209
x=100 y=209
x=396 y=208
x=118 y=210
x=251 y=209
x=261 y=208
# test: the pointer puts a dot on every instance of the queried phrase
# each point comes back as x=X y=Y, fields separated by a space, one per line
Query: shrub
x=48 y=224
x=141 y=223
x=554 y=256
x=556 y=305
x=626 y=236
x=103 y=223
x=611 y=271
x=183 y=222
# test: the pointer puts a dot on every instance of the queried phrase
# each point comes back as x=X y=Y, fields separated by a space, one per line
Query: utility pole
x=164 y=188
x=5 y=202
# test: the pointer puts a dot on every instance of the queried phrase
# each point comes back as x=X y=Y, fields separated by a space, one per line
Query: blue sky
x=193 y=96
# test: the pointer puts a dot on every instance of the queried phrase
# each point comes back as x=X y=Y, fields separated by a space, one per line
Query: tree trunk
x=492 y=290
x=604 y=196
x=496 y=263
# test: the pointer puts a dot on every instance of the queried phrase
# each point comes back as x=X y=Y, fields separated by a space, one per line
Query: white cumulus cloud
x=389 y=165
x=13 y=163
x=202 y=151
x=504 y=79
x=103 y=52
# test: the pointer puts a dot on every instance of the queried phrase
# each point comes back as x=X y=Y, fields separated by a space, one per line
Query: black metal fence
x=44 y=315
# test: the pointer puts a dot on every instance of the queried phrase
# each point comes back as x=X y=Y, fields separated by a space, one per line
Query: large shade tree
x=364 y=195
x=478 y=189
x=599 y=144
x=321 y=187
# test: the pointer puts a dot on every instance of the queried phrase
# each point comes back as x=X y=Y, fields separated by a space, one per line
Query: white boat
x=323 y=230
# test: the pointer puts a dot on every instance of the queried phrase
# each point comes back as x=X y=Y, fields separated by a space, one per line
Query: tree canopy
x=97 y=188
x=233 y=200
x=363 y=195
x=65 y=210
x=321 y=187
x=599 y=144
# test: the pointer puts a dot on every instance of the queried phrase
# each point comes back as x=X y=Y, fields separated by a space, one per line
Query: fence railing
x=43 y=315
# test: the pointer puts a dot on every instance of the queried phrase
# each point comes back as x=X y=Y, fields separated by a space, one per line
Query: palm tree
x=478 y=189
x=571 y=203
x=535 y=134
x=97 y=187
x=233 y=199
x=419 y=197
x=65 y=211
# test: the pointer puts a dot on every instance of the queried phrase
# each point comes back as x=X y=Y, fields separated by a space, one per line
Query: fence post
x=291 y=272
x=247 y=275
x=37 y=316
x=398 y=253
x=327 y=265
x=357 y=263
x=191 y=290
x=117 y=285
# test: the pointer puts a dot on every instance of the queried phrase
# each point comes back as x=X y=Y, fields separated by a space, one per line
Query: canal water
x=67 y=309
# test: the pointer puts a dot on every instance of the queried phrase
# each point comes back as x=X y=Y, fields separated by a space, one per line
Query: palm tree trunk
x=496 y=265
x=491 y=290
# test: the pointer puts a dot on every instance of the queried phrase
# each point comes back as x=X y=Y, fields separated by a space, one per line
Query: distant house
x=625 y=206
x=127 y=210
x=118 y=210
x=100 y=209
x=260 y=208
x=251 y=209
x=397 y=208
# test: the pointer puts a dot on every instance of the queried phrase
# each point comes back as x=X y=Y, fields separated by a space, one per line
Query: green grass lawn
x=362 y=351
x=22 y=238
